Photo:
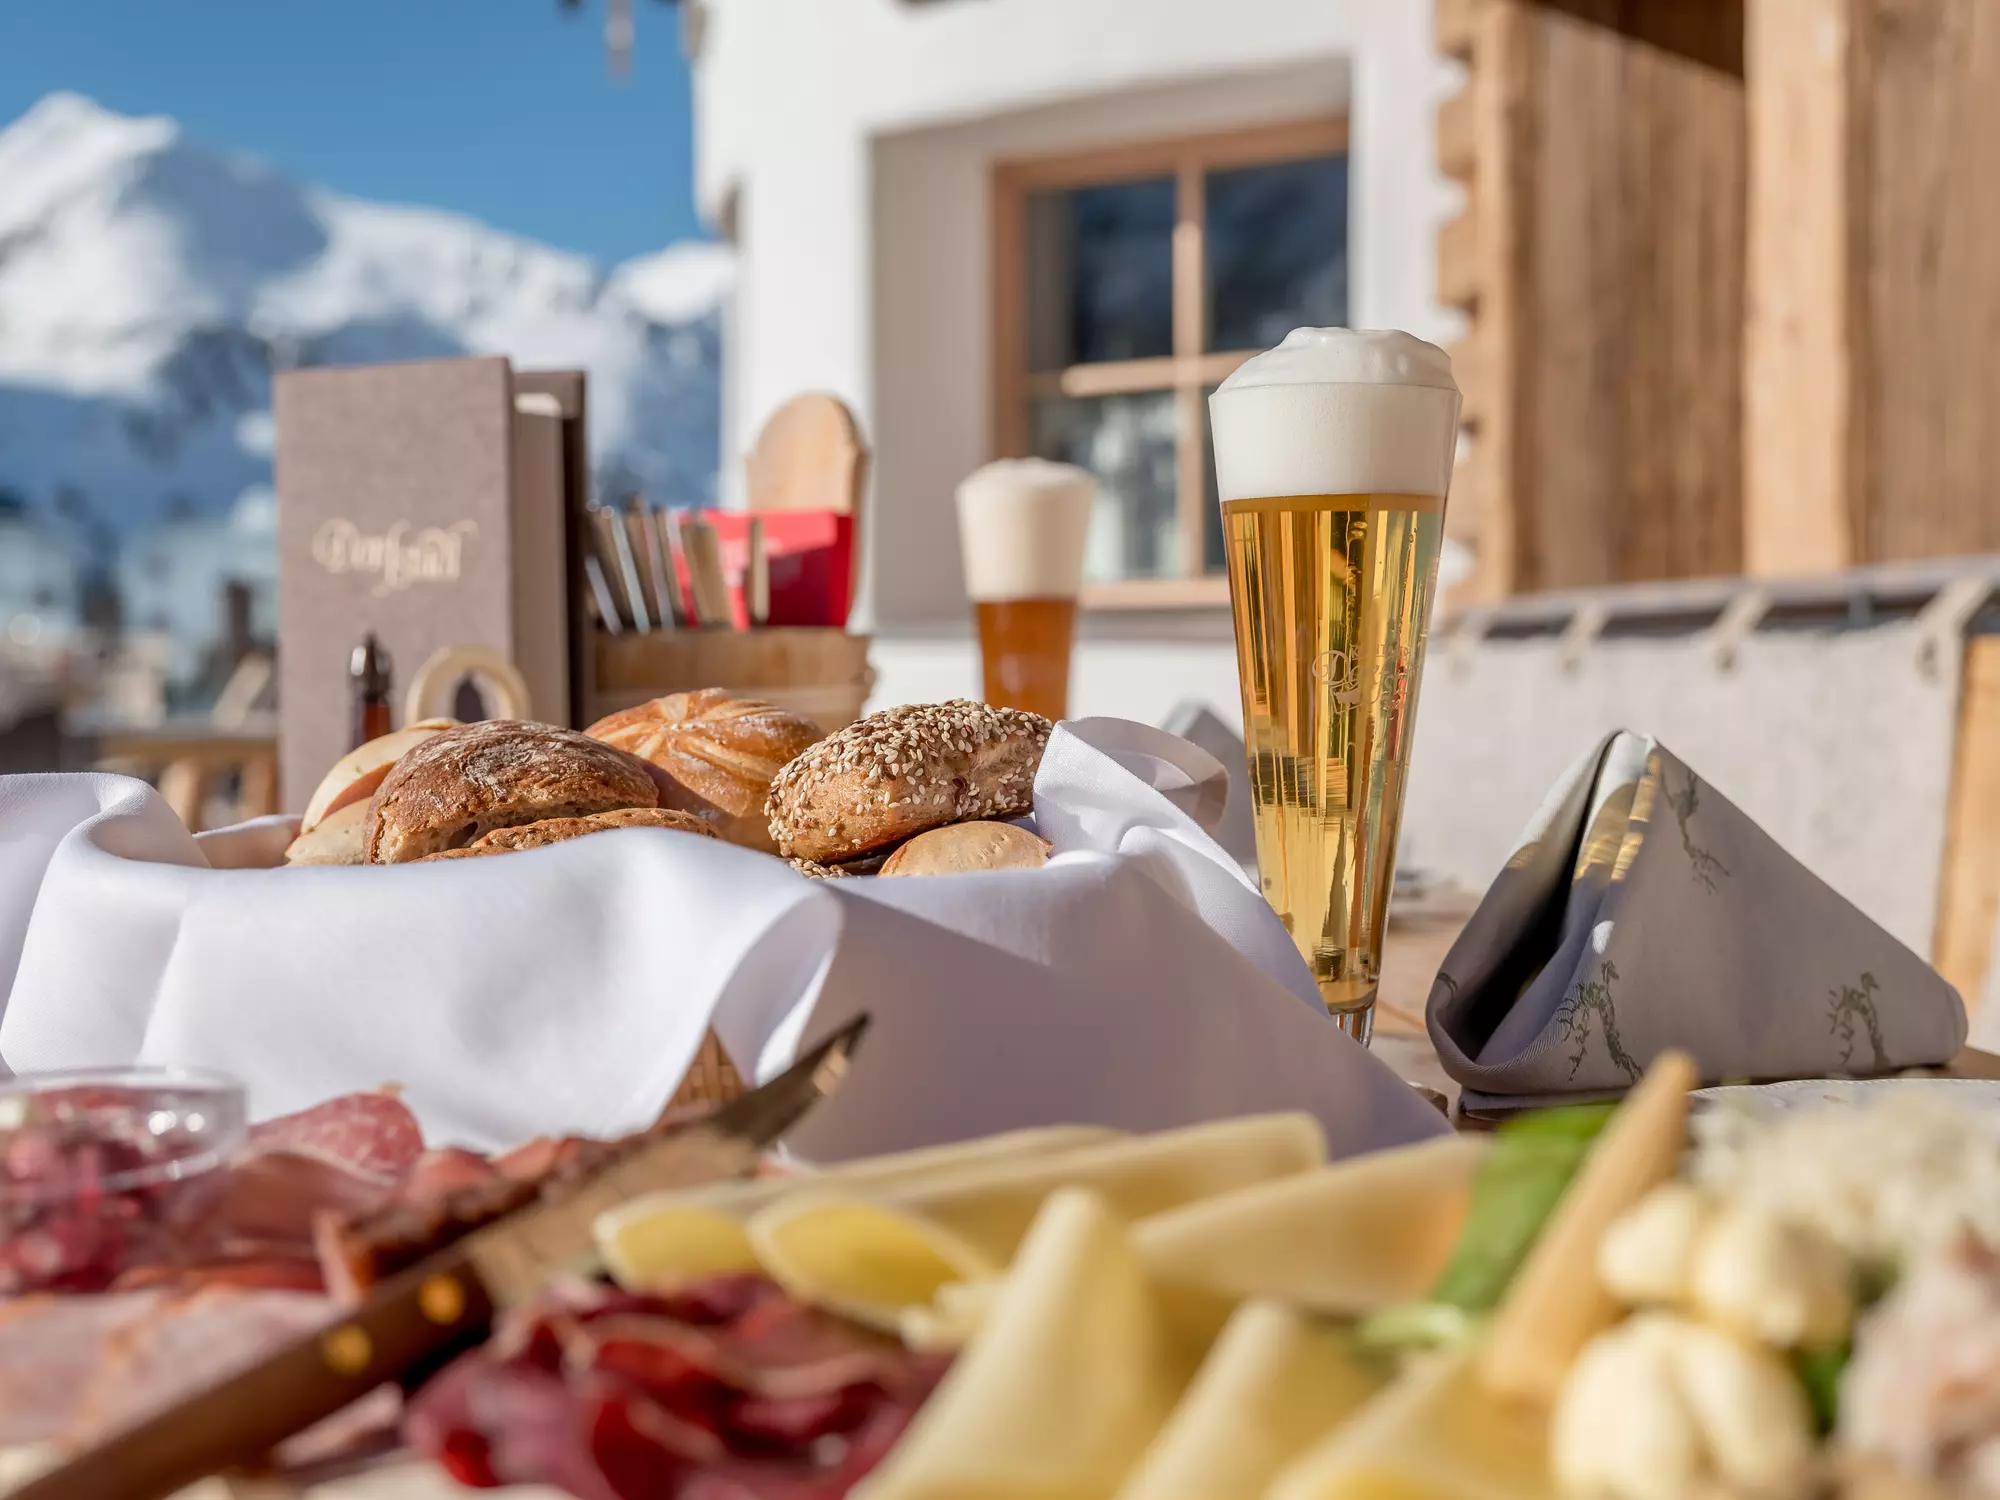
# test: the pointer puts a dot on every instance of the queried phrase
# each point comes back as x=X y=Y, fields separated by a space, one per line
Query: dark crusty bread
x=718 y=754
x=897 y=773
x=560 y=830
x=457 y=786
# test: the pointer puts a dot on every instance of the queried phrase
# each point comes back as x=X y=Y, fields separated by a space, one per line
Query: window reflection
x=1100 y=263
x=1128 y=443
x=1276 y=243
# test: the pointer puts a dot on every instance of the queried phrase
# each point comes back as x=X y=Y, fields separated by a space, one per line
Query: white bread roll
x=356 y=774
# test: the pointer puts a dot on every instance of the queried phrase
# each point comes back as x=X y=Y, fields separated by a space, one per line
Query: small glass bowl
x=102 y=1169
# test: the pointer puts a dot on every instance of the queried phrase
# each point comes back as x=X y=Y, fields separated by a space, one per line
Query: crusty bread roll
x=560 y=830
x=463 y=783
x=962 y=848
x=718 y=754
x=354 y=777
x=897 y=773
x=340 y=838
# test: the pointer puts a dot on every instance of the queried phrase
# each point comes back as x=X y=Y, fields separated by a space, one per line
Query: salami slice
x=373 y=1133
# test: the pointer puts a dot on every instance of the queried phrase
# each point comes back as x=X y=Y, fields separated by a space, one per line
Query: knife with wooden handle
x=414 y=1321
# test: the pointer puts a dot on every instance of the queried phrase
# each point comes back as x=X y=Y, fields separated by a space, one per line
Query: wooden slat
x=1190 y=336
x=1928 y=366
x=1456 y=137
x=1503 y=80
x=1162 y=158
x=1803 y=427
x=1458 y=258
x=1457 y=25
x=1969 y=883
x=1468 y=368
x=1121 y=376
x=1614 y=360
x=1157 y=593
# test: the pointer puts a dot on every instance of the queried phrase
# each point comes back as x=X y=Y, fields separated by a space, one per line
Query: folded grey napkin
x=1642 y=911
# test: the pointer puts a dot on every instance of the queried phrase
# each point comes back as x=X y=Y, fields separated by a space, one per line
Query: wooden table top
x=1412 y=953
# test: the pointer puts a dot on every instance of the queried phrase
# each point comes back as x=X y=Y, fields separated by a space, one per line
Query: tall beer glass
x=1333 y=456
x=1021 y=527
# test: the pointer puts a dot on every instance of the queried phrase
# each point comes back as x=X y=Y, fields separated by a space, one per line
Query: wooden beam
x=1456 y=137
x=1457 y=25
x=1458 y=270
x=1969 y=883
x=1468 y=368
x=1804 y=429
x=1503 y=80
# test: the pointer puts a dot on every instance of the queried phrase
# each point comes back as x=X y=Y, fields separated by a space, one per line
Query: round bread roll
x=717 y=754
x=961 y=848
x=461 y=784
x=354 y=777
x=339 y=838
x=560 y=830
x=900 y=772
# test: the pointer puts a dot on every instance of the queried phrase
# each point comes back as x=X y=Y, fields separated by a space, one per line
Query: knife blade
x=414 y=1321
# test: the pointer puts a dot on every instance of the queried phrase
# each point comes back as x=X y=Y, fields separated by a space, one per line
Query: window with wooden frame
x=1128 y=282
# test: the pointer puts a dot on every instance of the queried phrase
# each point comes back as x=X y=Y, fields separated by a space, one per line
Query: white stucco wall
x=855 y=139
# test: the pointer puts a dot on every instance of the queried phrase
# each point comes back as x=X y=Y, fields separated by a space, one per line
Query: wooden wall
x=1601 y=257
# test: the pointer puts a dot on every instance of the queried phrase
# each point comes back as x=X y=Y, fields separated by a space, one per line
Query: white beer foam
x=1021 y=528
x=1337 y=411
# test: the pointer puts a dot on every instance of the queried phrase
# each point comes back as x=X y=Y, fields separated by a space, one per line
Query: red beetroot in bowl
x=101 y=1168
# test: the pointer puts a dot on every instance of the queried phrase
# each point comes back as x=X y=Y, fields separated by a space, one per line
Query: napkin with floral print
x=1641 y=911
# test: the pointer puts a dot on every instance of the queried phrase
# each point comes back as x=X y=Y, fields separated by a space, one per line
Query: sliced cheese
x=1275 y=1382
x=1349 y=1239
x=656 y=1244
x=992 y=1204
x=1556 y=1303
x=872 y=1174
x=1066 y=1385
x=1437 y=1433
x=865 y=1260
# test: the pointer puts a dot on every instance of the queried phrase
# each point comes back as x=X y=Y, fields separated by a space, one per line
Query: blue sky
x=502 y=109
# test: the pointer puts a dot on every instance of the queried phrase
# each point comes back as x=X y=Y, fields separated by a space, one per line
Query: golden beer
x=1332 y=598
x=1024 y=652
x=1022 y=526
x=1333 y=456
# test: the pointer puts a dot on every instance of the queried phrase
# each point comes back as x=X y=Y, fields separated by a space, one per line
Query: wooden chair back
x=809 y=456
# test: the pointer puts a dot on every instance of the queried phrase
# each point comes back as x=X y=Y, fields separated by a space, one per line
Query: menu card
x=426 y=502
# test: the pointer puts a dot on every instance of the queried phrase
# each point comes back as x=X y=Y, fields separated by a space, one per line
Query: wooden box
x=822 y=674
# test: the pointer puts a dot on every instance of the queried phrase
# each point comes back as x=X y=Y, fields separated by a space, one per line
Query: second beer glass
x=1333 y=455
x=1021 y=525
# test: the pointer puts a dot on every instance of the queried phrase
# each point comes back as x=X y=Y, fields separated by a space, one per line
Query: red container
x=812 y=563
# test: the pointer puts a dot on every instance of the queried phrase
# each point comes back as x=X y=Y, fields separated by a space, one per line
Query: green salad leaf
x=1819 y=1372
x=1518 y=1186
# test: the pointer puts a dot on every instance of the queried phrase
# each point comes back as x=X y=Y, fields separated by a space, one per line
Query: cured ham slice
x=728 y=1390
x=373 y=1134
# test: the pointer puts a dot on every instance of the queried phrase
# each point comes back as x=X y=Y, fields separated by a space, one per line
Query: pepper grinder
x=368 y=671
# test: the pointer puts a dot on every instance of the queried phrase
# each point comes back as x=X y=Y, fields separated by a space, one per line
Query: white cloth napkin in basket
x=1138 y=980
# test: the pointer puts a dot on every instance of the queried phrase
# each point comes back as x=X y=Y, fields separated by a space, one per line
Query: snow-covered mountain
x=150 y=283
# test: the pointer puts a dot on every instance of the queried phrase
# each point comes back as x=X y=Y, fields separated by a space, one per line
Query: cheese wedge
x=1556 y=1302
x=648 y=1247
x=1276 y=1381
x=1348 y=1239
x=992 y=1204
x=1064 y=1388
x=1437 y=1433
x=864 y=1260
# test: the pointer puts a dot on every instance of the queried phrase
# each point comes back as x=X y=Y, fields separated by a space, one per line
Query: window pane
x=1276 y=251
x=1128 y=443
x=1100 y=268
